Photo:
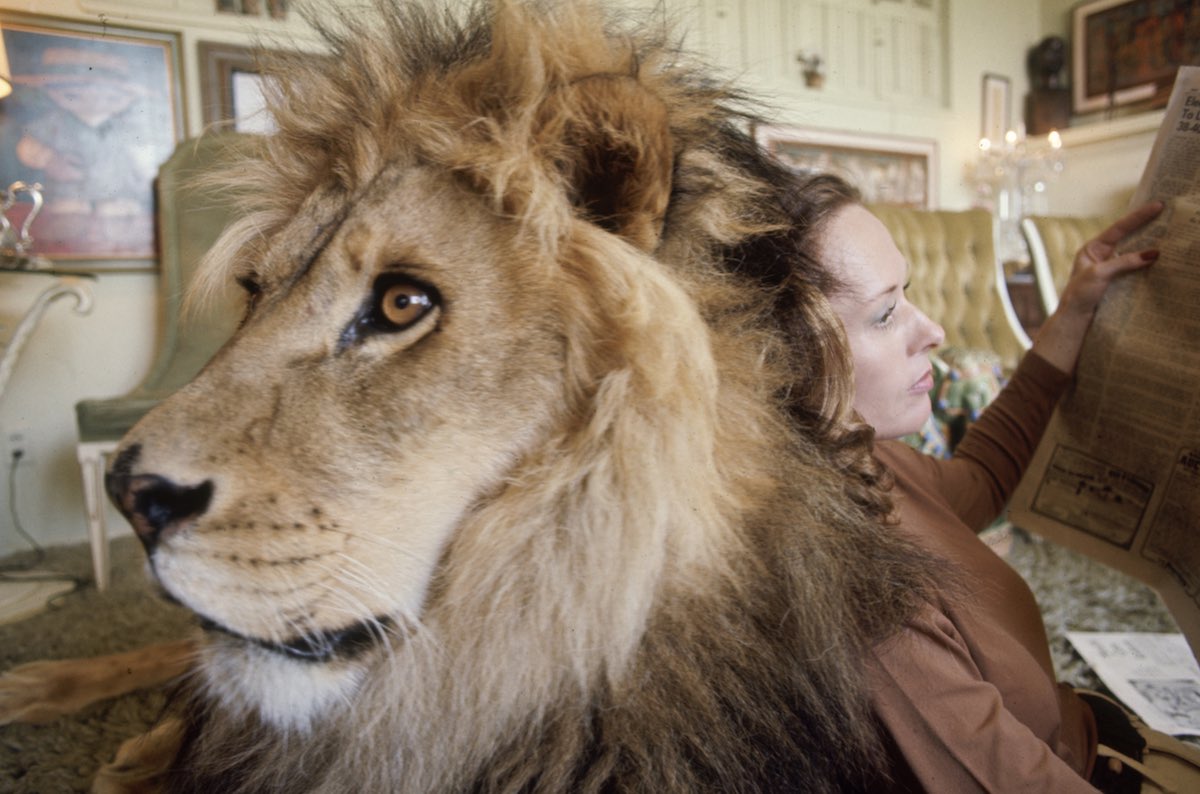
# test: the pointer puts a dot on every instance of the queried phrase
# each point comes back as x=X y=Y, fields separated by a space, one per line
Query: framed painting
x=1128 y=51
x=231 y=88
x=886 y=169
x=94 y=111
x=996 y=112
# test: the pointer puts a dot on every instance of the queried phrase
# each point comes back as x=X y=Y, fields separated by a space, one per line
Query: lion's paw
x=43 y=691
x=141 y=763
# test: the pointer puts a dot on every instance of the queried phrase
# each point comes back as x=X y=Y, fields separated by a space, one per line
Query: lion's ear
x=619 y=156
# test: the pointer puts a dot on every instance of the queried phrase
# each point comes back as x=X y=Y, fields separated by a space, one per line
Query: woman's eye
x=403 y=303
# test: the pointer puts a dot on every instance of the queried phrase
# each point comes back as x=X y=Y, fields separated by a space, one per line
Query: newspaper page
x=1117 y=473
x=1153 y=674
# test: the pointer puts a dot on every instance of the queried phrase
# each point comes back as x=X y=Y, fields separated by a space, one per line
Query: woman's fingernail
x=1150 y=256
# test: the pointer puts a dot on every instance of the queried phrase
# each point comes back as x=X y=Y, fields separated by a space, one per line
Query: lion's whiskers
x=375 y=538
x=345 y=587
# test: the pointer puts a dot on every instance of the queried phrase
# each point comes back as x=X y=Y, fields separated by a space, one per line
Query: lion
x=512 y=479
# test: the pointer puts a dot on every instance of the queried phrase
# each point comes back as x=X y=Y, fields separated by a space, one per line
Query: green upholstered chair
x=189 y=221
x=956 y=279
x=1053 y=242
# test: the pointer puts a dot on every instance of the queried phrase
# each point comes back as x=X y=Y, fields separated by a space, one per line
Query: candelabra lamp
x=1010 y=178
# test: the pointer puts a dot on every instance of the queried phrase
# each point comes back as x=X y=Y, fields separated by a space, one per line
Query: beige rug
x=26 y=593
x=61 y=756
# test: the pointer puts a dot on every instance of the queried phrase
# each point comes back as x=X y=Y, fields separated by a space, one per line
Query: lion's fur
x=658 y=561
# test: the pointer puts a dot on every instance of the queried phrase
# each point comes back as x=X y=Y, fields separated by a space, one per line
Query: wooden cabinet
x=884 y=51
x=1023 y=294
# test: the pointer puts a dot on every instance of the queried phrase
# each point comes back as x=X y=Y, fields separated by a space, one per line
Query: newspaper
x=1117 y=473
x=1153 y=674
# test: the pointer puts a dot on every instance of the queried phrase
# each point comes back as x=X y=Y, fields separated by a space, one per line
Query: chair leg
x=92 y=457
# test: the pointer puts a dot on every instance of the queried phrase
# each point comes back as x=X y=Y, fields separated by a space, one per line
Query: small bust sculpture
x=1045 y=63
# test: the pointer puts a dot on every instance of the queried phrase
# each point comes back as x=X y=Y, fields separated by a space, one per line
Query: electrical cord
x=39 y=552
x=25 y=571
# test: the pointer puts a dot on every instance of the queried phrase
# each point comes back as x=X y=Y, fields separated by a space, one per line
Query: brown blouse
x=967 y=690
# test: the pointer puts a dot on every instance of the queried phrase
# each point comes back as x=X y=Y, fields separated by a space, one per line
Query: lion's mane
x=674 y=589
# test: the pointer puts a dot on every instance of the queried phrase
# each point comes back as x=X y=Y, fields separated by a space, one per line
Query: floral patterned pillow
x=965 y=381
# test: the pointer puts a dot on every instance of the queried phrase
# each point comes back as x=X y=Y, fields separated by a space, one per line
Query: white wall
x=982 y=36
x=68 y=358
x=106 y=353
x=1105 y=162
x=1056 y=17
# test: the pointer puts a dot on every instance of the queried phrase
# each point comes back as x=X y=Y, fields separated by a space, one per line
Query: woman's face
x=890 y=338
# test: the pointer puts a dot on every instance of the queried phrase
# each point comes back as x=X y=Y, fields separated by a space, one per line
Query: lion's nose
x=154 y=504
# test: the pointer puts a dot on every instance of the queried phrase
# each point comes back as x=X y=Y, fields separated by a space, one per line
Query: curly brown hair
x=821 y=393
x=817 y=338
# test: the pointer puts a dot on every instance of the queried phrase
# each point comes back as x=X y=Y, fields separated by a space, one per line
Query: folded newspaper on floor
x=1117 y=474
x=1153 y=674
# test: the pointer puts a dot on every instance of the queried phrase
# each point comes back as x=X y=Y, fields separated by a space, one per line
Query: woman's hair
x=811 y=202
x=823 y=396
x=822 y=391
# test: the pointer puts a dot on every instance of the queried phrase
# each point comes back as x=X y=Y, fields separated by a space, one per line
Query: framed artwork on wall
x=1128 y=51
x=995 y=118
x=231 y=88
x=887 y=169
x=94 y=111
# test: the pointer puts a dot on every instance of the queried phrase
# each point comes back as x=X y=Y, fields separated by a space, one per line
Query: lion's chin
x=287 y=687
x=344 y=644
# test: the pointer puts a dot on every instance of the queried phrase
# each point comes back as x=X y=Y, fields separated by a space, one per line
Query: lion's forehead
x=422 y=219
x=495 y=340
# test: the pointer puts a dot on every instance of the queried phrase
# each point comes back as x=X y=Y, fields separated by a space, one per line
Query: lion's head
x=497 y=487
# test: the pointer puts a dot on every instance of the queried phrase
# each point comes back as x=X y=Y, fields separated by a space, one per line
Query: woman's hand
x=1096 y=265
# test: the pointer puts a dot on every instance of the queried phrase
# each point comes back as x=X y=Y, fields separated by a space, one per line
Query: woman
x=966 y=693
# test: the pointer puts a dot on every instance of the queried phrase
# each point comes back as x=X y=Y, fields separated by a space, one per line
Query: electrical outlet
x=17 y=445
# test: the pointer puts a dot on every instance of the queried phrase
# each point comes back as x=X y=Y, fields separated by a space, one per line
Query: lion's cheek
x=270 y=589
x=268 y=568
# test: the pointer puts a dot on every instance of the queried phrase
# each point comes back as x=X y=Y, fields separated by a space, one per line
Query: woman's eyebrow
x=885 y=291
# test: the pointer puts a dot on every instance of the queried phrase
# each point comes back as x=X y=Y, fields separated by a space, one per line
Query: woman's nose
x=930 y=334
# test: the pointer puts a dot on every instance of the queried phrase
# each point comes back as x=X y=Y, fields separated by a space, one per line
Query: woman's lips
x=925 y=384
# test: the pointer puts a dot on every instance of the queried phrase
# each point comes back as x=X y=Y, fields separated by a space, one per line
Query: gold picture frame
x=95 y=110
x=1127 y=52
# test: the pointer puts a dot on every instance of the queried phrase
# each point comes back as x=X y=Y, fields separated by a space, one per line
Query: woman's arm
x=951 y=727
x=989 y=461
x=995 y=451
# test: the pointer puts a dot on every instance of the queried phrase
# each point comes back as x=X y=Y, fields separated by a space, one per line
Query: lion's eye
x=395 y=304
x=403 y=303
x=253 y=292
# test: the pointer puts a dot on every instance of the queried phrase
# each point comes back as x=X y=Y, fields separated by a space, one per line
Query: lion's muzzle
x=153 y=504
